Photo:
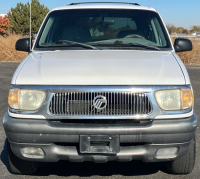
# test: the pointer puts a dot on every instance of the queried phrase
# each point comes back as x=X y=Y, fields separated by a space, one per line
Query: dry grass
x=192 y=57
x=7 y=49
x=8 y=52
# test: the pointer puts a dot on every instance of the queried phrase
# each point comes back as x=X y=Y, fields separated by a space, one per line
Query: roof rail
x=104 y=3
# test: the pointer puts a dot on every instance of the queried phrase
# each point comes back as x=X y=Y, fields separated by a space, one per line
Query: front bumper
x=138 y=141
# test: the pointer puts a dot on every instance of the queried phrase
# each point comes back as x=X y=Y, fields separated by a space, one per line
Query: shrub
x=20 y=17
x=4 y=24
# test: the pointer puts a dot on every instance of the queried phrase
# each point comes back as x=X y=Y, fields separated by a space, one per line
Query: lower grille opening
x=99 y=143
x=105 y=121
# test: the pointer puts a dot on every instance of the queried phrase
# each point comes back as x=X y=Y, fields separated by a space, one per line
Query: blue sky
x=185 y=13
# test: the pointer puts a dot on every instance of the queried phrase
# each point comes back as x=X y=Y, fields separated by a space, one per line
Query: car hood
x=99 y=67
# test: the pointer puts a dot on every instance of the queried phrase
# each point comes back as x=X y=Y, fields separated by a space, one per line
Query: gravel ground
x=65 y=169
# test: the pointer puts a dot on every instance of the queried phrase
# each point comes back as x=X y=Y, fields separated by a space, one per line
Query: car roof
x=104 y=6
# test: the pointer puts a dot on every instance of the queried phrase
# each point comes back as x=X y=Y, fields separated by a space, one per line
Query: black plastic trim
x=164 y=126
x=143 y=139
x=23 y=45
x=182 y=45
x=146 y=153
x=136 y=4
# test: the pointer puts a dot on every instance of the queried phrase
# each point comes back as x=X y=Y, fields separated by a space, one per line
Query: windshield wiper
x=142 y=45
x=120 y=43
x=72 y=42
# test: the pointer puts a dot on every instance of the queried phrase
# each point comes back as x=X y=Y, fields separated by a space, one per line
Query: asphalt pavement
x=65 y=169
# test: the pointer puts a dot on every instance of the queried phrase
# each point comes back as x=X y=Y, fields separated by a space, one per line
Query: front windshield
x=103 y=28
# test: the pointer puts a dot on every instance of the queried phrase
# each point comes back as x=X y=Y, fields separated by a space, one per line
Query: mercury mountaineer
x=102 y=82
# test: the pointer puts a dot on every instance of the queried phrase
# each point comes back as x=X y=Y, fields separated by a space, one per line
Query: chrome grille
x=118 y=103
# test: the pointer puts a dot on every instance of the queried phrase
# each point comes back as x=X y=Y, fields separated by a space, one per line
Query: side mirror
x=23 y=45
x=182 y=45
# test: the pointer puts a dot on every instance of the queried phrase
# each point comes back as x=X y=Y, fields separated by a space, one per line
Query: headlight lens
x=22 y=99
x=179 y=99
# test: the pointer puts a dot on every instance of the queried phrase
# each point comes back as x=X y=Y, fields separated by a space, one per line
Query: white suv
x=101 y=83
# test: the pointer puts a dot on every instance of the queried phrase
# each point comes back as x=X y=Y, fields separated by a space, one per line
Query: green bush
x=20 y=17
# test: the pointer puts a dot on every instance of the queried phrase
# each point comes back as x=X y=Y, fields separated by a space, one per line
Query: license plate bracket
x=99 y=144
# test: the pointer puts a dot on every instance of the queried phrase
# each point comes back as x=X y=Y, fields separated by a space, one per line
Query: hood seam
x=180 y=67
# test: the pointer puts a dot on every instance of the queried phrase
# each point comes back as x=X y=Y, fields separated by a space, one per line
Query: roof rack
x=136 y=4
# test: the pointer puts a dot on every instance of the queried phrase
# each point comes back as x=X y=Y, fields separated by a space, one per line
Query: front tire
x=185 y=164
x=19 y=166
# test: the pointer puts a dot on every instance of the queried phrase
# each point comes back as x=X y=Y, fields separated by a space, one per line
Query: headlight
x=179 y=99
x=24 y=99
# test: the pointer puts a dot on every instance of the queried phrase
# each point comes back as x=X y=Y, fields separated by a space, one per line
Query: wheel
x=185 y=164
x=19 y=166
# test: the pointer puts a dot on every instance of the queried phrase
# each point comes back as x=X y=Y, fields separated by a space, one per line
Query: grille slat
x=88 y=105
x=131 y=103
x=137 y=101
x=118 y=103
x=128 y=103
x=91 y=99
x=54 y=103
x=62 y=102
x=85 y=104
x=114 y=103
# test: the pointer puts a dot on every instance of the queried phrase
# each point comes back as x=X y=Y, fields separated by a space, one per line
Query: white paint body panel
x=100 y=67
x=183 y=68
